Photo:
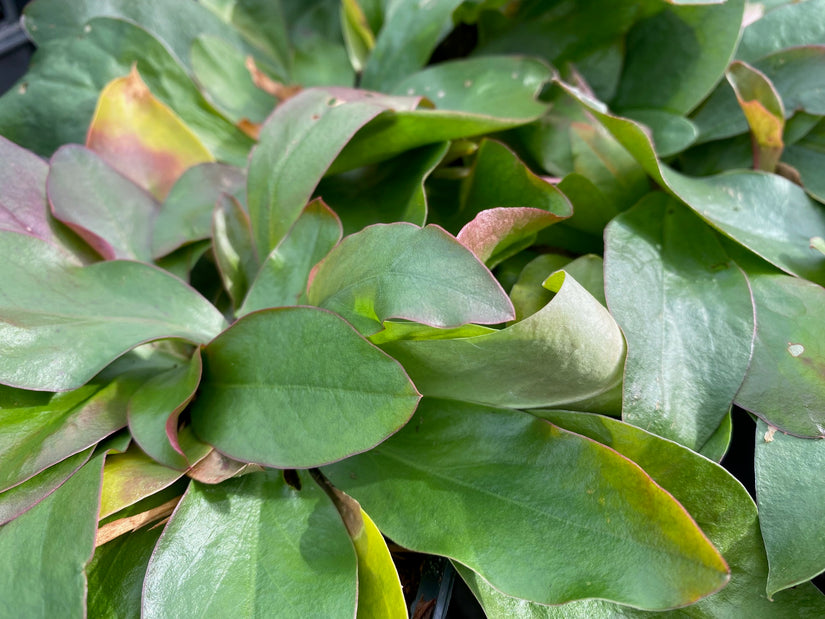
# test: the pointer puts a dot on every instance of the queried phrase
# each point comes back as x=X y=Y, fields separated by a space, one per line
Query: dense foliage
x=284 y=280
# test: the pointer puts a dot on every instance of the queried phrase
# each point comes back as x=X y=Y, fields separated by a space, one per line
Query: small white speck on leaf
x=795 y=349
x=440 y=94
x=87 y=28
x=468 y=83
x=769 y=434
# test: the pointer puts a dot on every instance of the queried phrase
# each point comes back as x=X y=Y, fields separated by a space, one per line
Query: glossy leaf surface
x=113 y=214
x=735 y=534
x=789 y=348
x=116 y=573
x=791 y=496
x=403 y=271
x=77 y=320
x=474 y=481
x=129 y=477
x=570 y=350
x=282 y=279
x=276 y=543
x=41 y=429
x=685 y=308
x=50 y=581
x=234 y=248
x=298 y=387
x=298 y=144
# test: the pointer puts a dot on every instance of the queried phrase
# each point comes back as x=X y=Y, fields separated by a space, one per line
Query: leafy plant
x=495 y=303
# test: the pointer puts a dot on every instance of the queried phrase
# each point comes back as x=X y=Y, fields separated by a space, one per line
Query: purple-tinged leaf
x=498 y=233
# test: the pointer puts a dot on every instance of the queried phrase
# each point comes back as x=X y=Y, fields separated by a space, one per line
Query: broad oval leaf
x=569 y=351
x=686 y=311
x=727 y=515
x=62 y=324
x=297 y=387
x=46 y=549
x=141 y=137
x=791 y=496
x=598 y=526
x=249 y=547
x=784 y=384
x=108 y=210
x=403 y=271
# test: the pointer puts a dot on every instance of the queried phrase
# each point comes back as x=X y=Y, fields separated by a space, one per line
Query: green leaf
x=386 y=192
x=155 y=407
x=297 y=145
x=784 y=383
x=41 y=429
x=379 y=588
x=358 y=35
x=102 y=206
x=789 y=488
x=61 y=324
x=257 y=546
x=262 y=24
x=282 y=279
x=320 y=56
x=46 y=549
x=497 y=86
x=766 y=213
x=796 y=74
x=671 y=133
x=528 y=294
x=58 y=99
x=131 y=476
x=298 y=387
x=716 y=447
x=22 y=497
x=764 y=111
x=175 y=24
x=685 y=309
x=403 y=271
x=484 y=97
x=410 y=33
x=116 y=574
x=792 y=24
x=484 y=471
x=806 y=156
x=234 y=248
x=186 y=215
x=569 y=351
x=220 y=69
x=500 y=179
x=727 y=515
x=675 y=57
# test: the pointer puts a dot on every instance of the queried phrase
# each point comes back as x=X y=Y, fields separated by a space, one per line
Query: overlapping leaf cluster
x=494 y=303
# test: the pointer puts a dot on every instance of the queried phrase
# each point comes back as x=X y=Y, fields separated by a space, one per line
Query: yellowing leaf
x=141 y=137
